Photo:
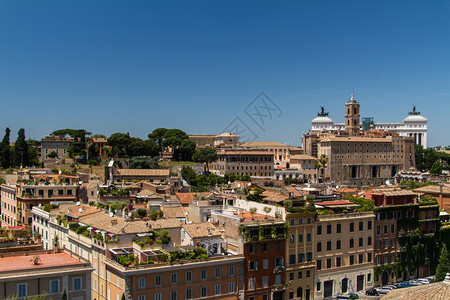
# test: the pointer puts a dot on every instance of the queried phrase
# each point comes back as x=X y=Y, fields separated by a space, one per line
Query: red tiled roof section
x=336 y=202
x=197 y=230
x=45 y=261
x=274 y=196
x=188 y=198
x=249 y=217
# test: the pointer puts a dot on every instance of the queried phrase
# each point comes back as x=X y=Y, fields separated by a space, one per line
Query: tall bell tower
x=352 y=117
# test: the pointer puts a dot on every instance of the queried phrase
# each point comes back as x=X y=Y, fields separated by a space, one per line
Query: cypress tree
x=5 y=151
x=444 y=265
x=21 y=150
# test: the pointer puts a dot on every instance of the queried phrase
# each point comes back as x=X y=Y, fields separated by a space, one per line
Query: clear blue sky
x=133 y=66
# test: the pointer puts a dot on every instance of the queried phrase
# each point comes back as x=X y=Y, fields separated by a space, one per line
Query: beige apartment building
x=344 y=253
x=8 y=205
x=226 y=139
x=26 y=274
x=255 y=163
x=281 y=152
x=300 y=256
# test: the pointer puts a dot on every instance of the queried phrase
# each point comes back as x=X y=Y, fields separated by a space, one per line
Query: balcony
x=278 y=269
x=279 y=287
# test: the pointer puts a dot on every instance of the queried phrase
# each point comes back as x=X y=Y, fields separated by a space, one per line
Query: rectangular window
x=360 y=258
x=392 y=228
x=329 y=229
x=188 y=294
x=217 y=289
x=203 y=291
x=253 y=265
x=329 y=246
x=188 y=276
x=218 y=272
x=231 y=287
x=292 y=222
x=338 y=228
x=369 y=241
x=361 y=226
x=231 y=270
x=264 y=247
x=203 y=274
x=54 y=286
x=77 y=284
x=361 y=242
x=292 y=239
x=173 y=278
x=352 y=227
x=319 y=246
x=352 y=259
x=328 y=263
x=369 y=257
x=308 y=273
x=251 y=283
x=140 y=297
x=352 y=243
x=300 y=275
x=319 y=229
x=338 y=262
x=173 y=295
x=300 y=238
x=141 y=282
x=158 y=296
x=369 y=225
x=369 y=277
x=252 y=248
x=158 y=280
x=21 y=290
x=265 y=263
x=309 y=256
x=338 y=245
x=292 y=259
x=318 y=285
x=308 y=237
x=319 y=264
x=301 y=257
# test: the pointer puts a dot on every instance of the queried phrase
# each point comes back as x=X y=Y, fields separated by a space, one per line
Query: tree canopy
x=5 y=150
x=205 y=155
x=21 y=150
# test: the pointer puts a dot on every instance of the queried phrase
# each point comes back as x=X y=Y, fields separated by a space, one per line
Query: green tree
x=53 y=154
x=64 y=296
x=123 y=296
x=33 y=152
x=436 y=168
x=92 y=152
x=119 y=141
x=320 y=163
x=5 y=150
x=205 y=155
x=144 y=163
x=444 y=264
x=142 y=213
x=158 y=136
x=185 y=151
x=21 y=149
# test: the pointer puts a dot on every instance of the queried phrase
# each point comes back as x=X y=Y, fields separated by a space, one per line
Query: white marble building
x=414 y=125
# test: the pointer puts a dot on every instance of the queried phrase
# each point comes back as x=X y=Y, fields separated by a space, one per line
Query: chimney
x=209 y=231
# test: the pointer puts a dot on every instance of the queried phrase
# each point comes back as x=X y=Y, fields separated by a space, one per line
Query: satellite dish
x=186 y=213
x=78 y=203
x=239 y=185
x=388 y=182
x=249 y=184
x=130 y=214
x=80 y=210
x=40 y=204
x=232 y=190
x=110 y=214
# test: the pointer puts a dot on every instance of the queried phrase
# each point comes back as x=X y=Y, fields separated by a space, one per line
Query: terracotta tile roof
x=16 y=263
x=198 y=230
x=174 y=212
x=149 y=194
x=188 y=198
x=117 y=225
x=249 y=217
x=274 y=196
x=346 y=190
x=336 y=202
x=74 y=210
x=433 y=189
x=144 y=172
x=433 y=291
x=295 y=192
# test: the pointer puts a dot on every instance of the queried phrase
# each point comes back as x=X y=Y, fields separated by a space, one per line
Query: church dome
x=415 y=119
x=322 y=120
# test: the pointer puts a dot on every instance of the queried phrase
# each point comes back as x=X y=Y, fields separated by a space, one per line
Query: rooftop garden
x=263 y=231
x=172 y=255
x=162 y=237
